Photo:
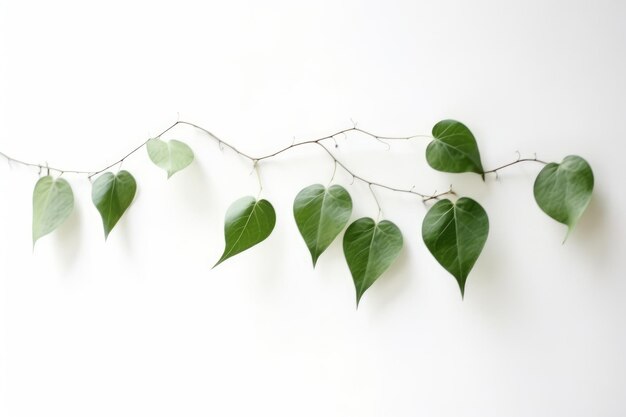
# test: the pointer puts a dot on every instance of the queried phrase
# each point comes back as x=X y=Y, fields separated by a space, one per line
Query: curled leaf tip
x=53 y=202
x=171 y=156
x=248 y=222
x=563 y=191
x=112 y=194
x=370 y=248
x=455 y=234
x=321 y=214
x=453 y=149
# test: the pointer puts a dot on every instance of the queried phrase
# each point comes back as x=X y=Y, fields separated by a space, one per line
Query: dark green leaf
x=370 y=248
x=171 y=156
x=112 y=195
x=455 y=234
x=248 y=222
x=454 y=149
x=53 y=202
x=321 y=214
x=563 y=190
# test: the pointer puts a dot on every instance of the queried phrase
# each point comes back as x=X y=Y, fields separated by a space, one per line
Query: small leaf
x=248 y=222
x=112 y=195
x=53 y=202
x=370 y=248
x=563 y=190
x=171 y=156
x=321 y=214
x=455 y=233
x=454 y=149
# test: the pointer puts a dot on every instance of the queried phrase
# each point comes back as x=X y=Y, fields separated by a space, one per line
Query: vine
x=454 y=232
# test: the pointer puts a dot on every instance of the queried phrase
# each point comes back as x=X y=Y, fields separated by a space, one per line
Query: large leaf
x=321 y=214
x=53 y=202
x=563 y=190
x=455 y=234
x=112 y=195
x=453 y=149
x=171 y=156
x=370 y=248
x=248 y=222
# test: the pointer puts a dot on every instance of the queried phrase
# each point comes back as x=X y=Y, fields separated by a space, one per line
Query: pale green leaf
x=171 y=156
x=455 y=233
x=112 y=195
x=453 y=149
x=53 y=202
x=370 y=248
x=247 y=223
x=563 y=190
x=321 y=214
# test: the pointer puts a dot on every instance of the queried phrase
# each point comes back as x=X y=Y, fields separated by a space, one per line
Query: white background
x=141 y=325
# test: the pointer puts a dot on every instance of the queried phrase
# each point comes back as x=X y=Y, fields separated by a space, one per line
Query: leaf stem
x=258 y=176
x=380 y=210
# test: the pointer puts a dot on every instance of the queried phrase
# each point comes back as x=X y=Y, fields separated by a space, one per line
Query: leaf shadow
x=392 y=283
x=491 y=290
x=68 y=240
x=593 y=234
x=268 y=266
x=120 y=234
x=192 y=185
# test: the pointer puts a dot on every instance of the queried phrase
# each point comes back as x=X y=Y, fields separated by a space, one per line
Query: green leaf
x=112 y=195
x=171 y=156
x=370 y=248
x=453 y=149
x=321 y=214
x=563 y=190
x=248 y=222
x=53 y=202
x=455 y=233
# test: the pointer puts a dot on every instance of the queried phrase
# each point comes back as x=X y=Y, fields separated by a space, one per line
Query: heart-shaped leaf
x=53 y=202
x=455 y=233
x=248 y=222
x=321 y=214
x=453 y=149
x=563 y=190
x=171 y=156
x=112 y=195
x=370 y=248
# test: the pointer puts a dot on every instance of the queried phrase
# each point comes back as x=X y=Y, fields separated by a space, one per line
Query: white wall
x=141 y=325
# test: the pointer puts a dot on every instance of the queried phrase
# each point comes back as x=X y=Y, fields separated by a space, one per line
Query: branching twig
x=256 y=159
x=425 y=197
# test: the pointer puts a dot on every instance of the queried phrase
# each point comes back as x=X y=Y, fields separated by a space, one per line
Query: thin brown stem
x=519 y=160
x=40 y=166
x=91 y=174
x=369 y=183
x=256 y=160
